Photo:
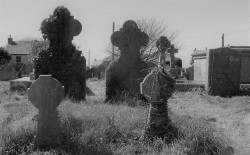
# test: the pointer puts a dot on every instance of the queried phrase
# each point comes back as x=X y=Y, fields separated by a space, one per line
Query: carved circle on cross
x=130 y=33
x=75 y=27
x=46 y=92
x=47 y=26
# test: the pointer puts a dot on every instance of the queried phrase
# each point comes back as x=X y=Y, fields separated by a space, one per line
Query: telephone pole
x=89 y=59
x=113 y=48
x=222 y=38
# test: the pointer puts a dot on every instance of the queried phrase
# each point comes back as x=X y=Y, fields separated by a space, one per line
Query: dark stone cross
x=46 y=93
x=129 y=40
x=127 y=72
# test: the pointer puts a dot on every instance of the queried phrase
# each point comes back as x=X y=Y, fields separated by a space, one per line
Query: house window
x=18 y=58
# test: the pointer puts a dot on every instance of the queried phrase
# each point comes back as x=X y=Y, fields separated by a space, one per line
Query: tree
x=155 y=29
x=5 y=57
x=36 y=47
x=61 y=58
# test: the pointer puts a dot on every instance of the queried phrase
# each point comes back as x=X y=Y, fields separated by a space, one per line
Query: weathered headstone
x=46 y=93
x=125 y=75
x=158 y=87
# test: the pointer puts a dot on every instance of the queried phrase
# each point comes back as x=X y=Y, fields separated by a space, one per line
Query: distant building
x=98 y=67
x=108 y=60
x=200 y=63
x=20 y=52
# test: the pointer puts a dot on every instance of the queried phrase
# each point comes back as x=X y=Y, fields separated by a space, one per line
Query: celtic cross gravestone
x=158 y=87
x=128 y=71
x=46 y=94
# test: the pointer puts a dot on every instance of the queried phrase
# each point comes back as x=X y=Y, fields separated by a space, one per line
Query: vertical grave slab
x=158 y=87
x=223 y=77
x=46 y=93
x=125 y=75
x=172 y=51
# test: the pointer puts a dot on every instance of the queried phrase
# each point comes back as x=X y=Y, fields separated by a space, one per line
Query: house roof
x=241 y=49
x=199 y=52
x=20 y=47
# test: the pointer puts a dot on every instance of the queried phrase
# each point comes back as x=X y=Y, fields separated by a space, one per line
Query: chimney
x=10 y=40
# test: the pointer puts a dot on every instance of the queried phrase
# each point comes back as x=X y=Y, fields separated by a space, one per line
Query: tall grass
x=95 y=128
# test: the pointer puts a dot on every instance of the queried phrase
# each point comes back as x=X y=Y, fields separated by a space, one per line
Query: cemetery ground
x=209 y=124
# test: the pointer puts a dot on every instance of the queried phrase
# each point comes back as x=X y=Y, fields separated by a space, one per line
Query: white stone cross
x=46 y=93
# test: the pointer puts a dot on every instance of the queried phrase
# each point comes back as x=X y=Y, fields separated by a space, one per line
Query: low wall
x=21 y=84
x=184 y=87
x=188 y=86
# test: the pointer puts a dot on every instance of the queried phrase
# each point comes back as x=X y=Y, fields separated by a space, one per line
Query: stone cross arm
x=129 y=34
x=172 y=50
x=46 y=93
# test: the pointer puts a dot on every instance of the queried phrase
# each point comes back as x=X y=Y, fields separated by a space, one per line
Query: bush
x=4 y=57
x=61 y=58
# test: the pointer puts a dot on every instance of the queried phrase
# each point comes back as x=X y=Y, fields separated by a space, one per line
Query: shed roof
x=199 y=52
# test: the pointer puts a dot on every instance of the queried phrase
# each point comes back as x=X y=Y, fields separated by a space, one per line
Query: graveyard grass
x=93 y=127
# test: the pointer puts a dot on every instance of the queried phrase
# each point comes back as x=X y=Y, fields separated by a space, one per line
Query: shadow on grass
x=89 y=92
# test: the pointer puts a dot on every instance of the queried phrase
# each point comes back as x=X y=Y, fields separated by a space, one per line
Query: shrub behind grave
x=61 y=58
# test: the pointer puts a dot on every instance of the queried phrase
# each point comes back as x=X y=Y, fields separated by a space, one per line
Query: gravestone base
x=122 y=81
x=48 y=131
x=158 y=116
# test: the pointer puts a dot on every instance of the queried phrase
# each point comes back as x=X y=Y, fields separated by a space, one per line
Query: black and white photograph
x=124 y=77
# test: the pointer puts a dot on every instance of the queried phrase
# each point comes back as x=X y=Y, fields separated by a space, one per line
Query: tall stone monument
x=125 y=75
x=158 y=87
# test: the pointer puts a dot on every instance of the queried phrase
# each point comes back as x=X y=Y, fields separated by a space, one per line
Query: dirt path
x=232 y=115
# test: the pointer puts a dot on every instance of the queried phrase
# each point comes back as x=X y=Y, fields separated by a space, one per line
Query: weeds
x=95 y=128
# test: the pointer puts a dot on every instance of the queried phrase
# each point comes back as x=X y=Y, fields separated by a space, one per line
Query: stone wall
x=245 y=69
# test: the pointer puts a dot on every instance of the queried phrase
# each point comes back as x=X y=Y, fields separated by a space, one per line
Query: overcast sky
x=199 y=23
